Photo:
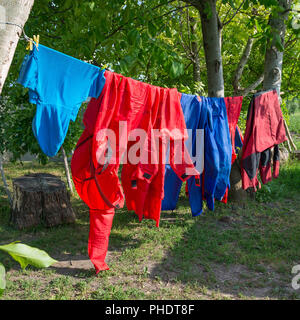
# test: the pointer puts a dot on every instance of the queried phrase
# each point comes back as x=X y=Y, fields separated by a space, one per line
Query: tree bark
x=67 y=170
x=40 y=199
x=4 y=181
x=274 y=57
x=211 y=31
x=15 y=12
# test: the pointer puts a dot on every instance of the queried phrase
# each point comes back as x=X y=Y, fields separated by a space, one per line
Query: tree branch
x=241 y=65
x=67 y=169
x=290 y=41
x=236 y=12
x=187 y=49
x=253 y=86
x=135 y=18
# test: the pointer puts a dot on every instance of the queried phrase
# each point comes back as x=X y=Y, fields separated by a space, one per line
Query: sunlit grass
x=185 y=258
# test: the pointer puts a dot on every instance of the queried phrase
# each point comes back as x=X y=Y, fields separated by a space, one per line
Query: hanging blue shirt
x=58 y=84
x=203 y=150
x=222 y=138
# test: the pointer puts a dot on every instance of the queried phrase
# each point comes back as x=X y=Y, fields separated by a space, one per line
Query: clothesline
x=17 y=25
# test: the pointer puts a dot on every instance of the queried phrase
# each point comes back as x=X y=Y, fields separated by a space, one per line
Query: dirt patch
x=73 y=264
x=238 y=279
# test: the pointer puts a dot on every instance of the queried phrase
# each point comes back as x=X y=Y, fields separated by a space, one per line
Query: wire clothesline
x=23 y=32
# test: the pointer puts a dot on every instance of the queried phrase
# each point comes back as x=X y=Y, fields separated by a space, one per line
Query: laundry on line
x=161 y=137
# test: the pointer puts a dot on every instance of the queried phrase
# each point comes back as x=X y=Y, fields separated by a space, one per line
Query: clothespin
x=35 y=41
x=29 y=45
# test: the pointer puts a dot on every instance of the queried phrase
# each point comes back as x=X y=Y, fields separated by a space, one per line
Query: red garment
x=233 y=107
x=264 y=130
x=100 y=226
x=144 y=184
x=139 y=106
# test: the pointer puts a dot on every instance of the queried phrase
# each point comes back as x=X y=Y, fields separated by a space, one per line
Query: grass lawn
x=239 y=251
x=294 y=127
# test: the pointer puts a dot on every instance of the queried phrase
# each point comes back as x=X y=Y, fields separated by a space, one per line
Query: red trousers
x=135 y=105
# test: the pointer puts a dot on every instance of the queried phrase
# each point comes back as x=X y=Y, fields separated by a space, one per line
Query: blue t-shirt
x=58 y=85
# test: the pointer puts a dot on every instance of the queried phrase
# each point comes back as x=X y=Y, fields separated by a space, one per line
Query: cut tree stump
x=236 y=192
x=40 y=198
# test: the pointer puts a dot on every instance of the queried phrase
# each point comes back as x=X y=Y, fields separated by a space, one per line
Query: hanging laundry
x=239 y=140
x=139 y=106
x=198 y=117
x=223 y=142
x=58 y=84
x=264 y=130
x=233 y=107
x=238 y=144
x=220 y=134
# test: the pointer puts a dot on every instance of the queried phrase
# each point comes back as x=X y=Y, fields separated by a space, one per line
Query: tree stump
x=40 y=198
x=236 y=192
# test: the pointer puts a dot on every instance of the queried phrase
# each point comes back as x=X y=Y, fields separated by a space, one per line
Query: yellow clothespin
x=35 y=41
x=29 y=45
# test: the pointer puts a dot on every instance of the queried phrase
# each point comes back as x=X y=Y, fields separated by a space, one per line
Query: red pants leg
x=100 y=227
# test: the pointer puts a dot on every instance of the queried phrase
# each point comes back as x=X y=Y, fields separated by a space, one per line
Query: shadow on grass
x=241 y=249
x=233 y=251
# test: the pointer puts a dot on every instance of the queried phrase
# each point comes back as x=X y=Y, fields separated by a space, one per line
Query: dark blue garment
x=238 y=141
x=197 y=115
x=58 y=84
x=222 y=138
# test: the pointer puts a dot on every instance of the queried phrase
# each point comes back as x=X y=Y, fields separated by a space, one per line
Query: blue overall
x=222 y=138
x=197 y=115
x=58 y=84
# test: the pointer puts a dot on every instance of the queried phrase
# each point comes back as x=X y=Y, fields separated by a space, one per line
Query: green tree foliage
x=146 y=40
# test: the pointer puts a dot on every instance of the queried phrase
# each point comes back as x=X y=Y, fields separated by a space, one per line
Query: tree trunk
x=236 y=192
x=15 y=12
x=211 y=31
x=274 y=57
x=67 y=170
x=40 y=199
x=4 y=181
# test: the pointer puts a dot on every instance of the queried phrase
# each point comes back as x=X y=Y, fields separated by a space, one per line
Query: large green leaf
x=25 y=255
x=2 y=278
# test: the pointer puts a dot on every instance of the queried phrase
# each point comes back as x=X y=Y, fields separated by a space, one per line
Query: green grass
x=248 y=257
x=294 y=127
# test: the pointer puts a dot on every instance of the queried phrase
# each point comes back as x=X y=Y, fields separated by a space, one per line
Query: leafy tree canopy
x=148 y=40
